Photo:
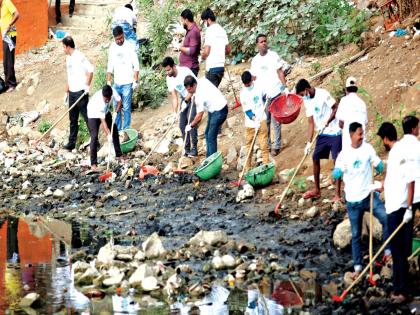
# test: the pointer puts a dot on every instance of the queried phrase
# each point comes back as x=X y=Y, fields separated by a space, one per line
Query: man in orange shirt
x=8 y=17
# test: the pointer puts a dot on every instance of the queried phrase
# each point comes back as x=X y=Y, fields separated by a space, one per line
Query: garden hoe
x=343 y=295
x=278 y=205
x=248 y=156
x=179 y=170
x=104 y=177
x=237 y=102
x=61 y=118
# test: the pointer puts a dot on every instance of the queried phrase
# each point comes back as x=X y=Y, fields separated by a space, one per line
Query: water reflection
x=34 y=257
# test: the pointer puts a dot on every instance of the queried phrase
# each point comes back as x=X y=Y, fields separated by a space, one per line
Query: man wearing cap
x=351 y=109
x=267 y=68
x=207 y=98
x=79 y=78
x=216 y=46
x=321 y=108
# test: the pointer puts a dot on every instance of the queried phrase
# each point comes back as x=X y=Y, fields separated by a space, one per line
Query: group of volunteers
x=192 y=96
x=340 y=130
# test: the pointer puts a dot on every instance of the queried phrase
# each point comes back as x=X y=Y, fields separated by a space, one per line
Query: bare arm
x=205 y=53
x=119 y=106
x=108 y=77
x=185 y=50
x=105 y=127
x=341 y=124
x=334 y=111
x=89 y=77
x=14 y=19
x=136 y=76
x=174 y=101
x=311 y=128
x=410 y=196
x=228 y=49
x=281 y=76
x=197 y=119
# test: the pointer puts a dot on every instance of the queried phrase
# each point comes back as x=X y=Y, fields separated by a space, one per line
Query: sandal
x=311 y=194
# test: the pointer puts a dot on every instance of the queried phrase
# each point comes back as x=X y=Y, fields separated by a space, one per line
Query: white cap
x=351 y=81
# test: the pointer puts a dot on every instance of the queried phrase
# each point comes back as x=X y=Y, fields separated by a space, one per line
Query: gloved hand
x=188 y=128
x=114 y=115
x=375 y=186
x=307 y=148
x=86 y=89
x=173 y=117
x=135 y=85
x=109 y=138
x=408 y=216
x=286 y=91
x=183 y=106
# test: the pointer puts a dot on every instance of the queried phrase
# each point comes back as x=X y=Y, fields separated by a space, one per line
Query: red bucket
x=285 y=109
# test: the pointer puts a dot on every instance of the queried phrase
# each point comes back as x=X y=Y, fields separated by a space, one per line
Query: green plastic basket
x=261 y=176
x=210 y=167
x=416 y=244
x=130 y=144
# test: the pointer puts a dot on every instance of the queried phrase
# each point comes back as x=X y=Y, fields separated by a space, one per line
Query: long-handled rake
x=237 y=102
x=104 y=177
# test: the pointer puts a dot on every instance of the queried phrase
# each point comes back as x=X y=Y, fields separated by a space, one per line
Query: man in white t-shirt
x=127 y=19
x=255 y=117
x=79 y=78
x=399 y=188
x=216 y=47
x=351 y=108
x=175 y=76
x=207 y=97
x=320 y=110
x=124 y=64
x=354 y=165
x=100 y=116
x=267 y=67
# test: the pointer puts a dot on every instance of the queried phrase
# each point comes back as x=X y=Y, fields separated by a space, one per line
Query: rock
x=149 y=284
x=140 y=274
x=140 y=256
x=211 y=238
x=26 y=184
x=29 y=299
x=246 y=192
x=106 y=254
x=58 y=193
x=124 y=257
x=185 y=162
x=217 y=262
x=231 y=122
x=87 y=277
x=80 y=266
x=173 y=283
x=386 y=272
x=331 y=288
x=30 y=90
x=342 y=234
x=153 y=247
x=377 y=226
x=228 y=261
x=163 y=147
x=312 y=212
x=231 y=155
x=115 y=280
x=301 y=202
x=48 y=192
x=348 y=278
x=68 y=187
x=169 y=168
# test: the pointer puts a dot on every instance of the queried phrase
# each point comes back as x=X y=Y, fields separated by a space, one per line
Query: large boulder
x=142 y=272
x=208 y=238
x=106 y=255
x=342 y=234
x=153 y=247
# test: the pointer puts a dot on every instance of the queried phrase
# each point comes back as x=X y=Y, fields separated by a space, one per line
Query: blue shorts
x=326 y=144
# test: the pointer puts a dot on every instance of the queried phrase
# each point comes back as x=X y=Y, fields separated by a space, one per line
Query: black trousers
x=58 y=10
x=195 y=71
x=401 y=246
x=94 y=125
x=9 y=64
x=192 y=137
x=81 y=108
x=215 y=78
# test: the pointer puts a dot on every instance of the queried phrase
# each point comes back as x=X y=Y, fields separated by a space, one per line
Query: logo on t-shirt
x=317 y=110
x=179 y=87
x=256 y=99
x=356 y=164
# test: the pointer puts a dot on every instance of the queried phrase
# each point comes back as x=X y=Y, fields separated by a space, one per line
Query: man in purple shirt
x=191 y=46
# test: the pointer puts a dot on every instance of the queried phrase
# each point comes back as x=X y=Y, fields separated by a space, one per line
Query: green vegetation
x=83 y=134
x=338 y=84
x=315 y=67
x=293 y=26
x=152 y=88
x=44 y=125
x=300 y=183
x=99 y=77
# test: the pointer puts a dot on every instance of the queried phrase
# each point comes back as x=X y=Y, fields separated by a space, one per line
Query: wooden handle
x=376 y=256
x=61 y=117
x=371 y=223
x=185 y=134
x=109 y=144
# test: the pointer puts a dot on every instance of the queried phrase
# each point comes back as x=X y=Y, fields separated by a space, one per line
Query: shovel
x=248 y=156
x=61 y=117
x=372 y=193
x=278 y=205
x=343 y=295
x=179 y=170
x=108 y=174
x=237 y=103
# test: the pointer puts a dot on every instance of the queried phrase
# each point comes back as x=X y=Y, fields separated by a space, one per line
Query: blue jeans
x=356 y=211
x=126 y=93
x=215 y=121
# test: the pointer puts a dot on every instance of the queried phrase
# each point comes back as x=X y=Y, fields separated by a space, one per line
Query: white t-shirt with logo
x=217 y=39
x=252 y=99
x=123 y=14
x=77 y=68
x=97 y=108
x=320 y=107
x=208 y=97
x=400 y=172
x=122 y=61
x=264 y=68
x=177 y=83
x=411 y=144
x=351 y=109
x=357 y=170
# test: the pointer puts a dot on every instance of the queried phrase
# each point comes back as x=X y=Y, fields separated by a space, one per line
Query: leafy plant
x=44 y=125
x=315 y=67
x=83 y=134
x=300 y=183
x=152 y=88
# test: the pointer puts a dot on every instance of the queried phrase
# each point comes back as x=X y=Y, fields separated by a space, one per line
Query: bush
x=99 y=78
x=152 y=88
x=44 y=125
x=293 y=26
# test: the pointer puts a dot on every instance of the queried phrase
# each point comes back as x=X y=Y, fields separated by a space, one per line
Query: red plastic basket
x=285 y=109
